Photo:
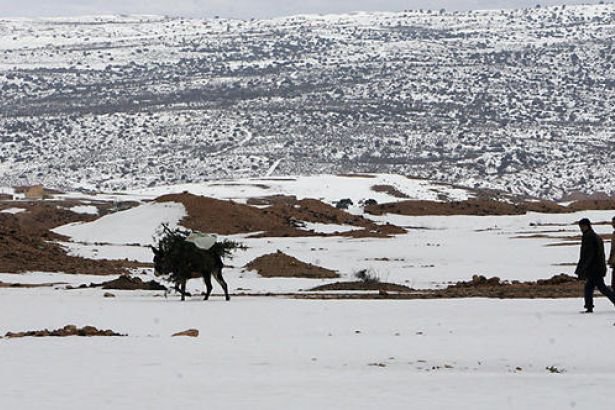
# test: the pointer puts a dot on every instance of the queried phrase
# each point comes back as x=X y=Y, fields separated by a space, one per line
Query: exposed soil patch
x=280 y=265
x=361 y=285
x=281 y=218
x=41 y=216
x=559 y=286
x=390 y=190
x=357 y=175
x=271 y=199
x=482 y=207
x=261 y=186
x=27 y=244
x=68 y=330
x=28 y=247
x=125 y=282
x=29 y=285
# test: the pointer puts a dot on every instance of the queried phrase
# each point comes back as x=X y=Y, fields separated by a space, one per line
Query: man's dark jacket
x=592 y=263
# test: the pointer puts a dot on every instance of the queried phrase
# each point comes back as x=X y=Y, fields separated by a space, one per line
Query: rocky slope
x=519 y=100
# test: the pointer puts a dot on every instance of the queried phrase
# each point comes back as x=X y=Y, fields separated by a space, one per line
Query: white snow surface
x=136 y=225
x=85 y=209
x=327 y=188
x=278 y=354
x=13 y=211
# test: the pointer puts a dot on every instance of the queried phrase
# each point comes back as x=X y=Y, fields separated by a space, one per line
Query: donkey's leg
x=220 y=280
x=207 y=280
x=183 y=289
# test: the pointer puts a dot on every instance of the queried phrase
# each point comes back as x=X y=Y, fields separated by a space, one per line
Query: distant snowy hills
x=517 y=100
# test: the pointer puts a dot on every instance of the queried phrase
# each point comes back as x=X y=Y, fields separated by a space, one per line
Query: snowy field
x=271 y=353
x=435 y=252
x=280 y=353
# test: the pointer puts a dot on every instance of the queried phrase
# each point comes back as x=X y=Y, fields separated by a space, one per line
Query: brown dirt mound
x=27 y=244
x=271 y=199
x=25 y=247
x=592 y=205
x=361 y=285
x=41 y=216
x=389 y=189
x=282 y=217
x=125 y=282
x=280 y=265
x=481 y=207
x=68 y=330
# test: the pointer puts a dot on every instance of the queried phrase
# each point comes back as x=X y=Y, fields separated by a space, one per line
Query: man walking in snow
x=592 y=265
x=612 y=256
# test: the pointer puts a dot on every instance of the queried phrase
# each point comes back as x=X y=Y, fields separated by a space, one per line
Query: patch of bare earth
x=559 y=286
x=280 y=265
x=29 y=285
x=361 y=285
x=282 y=217
x=390 y=190
x=347 y=175
x=68 y=330
x=27 y=244
x=125 y=282
x=482 y=207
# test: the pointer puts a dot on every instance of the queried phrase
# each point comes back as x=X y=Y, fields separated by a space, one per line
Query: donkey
x=181 y=259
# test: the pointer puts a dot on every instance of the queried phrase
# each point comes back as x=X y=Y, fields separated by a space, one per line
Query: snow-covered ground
x=434 y=252
x=327 y=188
x=278 y=354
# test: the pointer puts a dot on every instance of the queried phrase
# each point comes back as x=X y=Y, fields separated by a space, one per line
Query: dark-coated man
x=592 y=265
x=612 y=255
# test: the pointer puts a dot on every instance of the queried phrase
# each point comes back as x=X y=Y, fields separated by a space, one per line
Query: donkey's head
x=161 y=265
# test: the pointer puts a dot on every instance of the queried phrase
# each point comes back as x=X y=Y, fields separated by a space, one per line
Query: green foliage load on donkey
x=178 y=258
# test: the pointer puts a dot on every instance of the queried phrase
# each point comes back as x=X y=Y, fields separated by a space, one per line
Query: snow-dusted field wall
x=517 y=100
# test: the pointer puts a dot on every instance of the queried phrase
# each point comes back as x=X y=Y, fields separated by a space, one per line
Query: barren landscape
x=401 y=190
x=515 y=100
x=336 y=298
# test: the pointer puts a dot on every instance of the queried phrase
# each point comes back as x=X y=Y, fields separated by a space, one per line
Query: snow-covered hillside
x=520 y=100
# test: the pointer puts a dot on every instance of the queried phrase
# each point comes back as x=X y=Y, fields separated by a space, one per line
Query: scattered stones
x=559 y=286
x=383 y=288
x=553 y=369
x=108 y=295
x=189 y=333
x=123 y=282
x=29 y=285
x=68 y=330
x=126 y=282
